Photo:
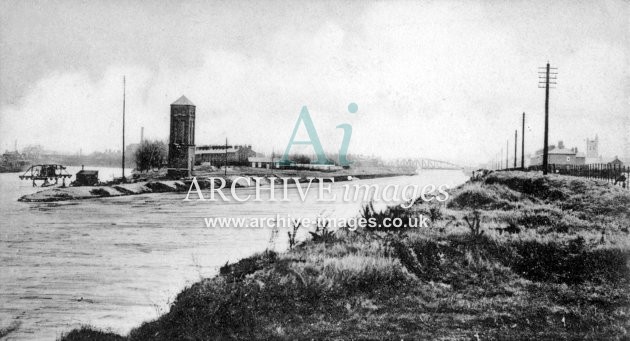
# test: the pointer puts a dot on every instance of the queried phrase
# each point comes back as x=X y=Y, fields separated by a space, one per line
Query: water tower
x=181 y=146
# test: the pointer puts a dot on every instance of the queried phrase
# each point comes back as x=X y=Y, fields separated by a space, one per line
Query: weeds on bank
x=435 y=213
x=293 y=234
x=322 y=233
x=368 y=213
x=90 y=333
x=474 y=224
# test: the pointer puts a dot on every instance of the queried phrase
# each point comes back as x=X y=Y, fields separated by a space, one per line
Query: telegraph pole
x=123 y=131
x=515 y=144
x=523 y=144
x=226 y=152
x=507 y=154
x=547 y=81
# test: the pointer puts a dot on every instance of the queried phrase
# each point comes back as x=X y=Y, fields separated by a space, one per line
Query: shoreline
x=163 y=186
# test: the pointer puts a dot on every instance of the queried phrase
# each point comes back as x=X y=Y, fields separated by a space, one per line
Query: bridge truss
x=422 y=163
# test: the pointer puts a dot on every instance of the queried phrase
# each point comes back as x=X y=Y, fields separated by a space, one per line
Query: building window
x=181 y=132
x=191 y=136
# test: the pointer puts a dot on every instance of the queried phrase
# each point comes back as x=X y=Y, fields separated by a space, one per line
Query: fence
x=614 y=174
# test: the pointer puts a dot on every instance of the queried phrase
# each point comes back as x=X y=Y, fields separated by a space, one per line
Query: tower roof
x=183 y=101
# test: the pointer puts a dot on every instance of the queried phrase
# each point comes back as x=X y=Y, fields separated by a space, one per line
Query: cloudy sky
x=439 y=79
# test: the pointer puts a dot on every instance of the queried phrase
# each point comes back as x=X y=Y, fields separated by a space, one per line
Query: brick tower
x=181 y=146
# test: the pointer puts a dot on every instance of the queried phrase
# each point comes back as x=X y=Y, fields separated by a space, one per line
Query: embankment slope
x=511 y=256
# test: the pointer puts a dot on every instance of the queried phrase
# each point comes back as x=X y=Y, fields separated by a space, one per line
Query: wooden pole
x=123 y=131
x=545 y=147
x=507 y=154
x=523 y=143
x=515 y=145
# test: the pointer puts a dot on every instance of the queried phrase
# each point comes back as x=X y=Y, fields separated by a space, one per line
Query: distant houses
x=559 y=155
x=264 y=162
x=616 y=162
x=219 y=155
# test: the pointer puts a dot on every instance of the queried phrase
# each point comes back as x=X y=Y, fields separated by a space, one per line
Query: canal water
x=115 y=262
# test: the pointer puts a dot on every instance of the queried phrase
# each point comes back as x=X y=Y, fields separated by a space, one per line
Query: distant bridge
x=422 y=163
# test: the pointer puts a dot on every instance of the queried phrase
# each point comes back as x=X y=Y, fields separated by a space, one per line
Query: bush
x=322 y=234
x=150 y=155
x=393 y=212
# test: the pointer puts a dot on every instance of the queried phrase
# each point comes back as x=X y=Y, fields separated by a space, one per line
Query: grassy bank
x=514 y=255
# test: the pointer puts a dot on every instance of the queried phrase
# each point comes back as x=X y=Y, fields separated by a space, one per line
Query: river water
x=115 y=262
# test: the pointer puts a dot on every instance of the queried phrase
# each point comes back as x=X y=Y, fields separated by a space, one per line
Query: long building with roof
x=559 y=155
x=217 y=155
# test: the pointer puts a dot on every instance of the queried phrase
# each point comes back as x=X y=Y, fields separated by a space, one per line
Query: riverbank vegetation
x=510 y=256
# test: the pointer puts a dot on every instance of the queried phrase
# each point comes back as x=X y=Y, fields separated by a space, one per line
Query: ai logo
x=305 y=119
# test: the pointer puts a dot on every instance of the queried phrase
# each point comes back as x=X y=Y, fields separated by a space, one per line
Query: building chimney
x=141 y=134
x=560 y=145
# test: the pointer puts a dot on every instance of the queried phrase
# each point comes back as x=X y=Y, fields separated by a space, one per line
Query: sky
x=447 y=80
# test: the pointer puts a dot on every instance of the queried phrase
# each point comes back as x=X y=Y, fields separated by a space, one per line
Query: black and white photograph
x=314 y=170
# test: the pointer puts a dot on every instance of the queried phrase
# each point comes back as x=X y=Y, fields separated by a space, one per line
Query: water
x=116 y=262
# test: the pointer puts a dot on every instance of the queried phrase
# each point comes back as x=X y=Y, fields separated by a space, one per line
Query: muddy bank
x=160 y=186
x=90 y=192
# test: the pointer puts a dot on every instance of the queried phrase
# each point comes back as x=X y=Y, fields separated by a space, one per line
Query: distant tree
x=300 y=158
x=150 y=155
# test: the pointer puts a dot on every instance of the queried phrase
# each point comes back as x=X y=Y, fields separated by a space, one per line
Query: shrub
x=474 y=224
x=150 y=155
x=292 y=234
x=433 y=211
x=391 y=213
x=322 y=234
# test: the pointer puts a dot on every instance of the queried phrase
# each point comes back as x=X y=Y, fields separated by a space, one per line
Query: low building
x=86 y=178
x=263 y=162
x=218 y=155
x=558 y=155
x=616 y=162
